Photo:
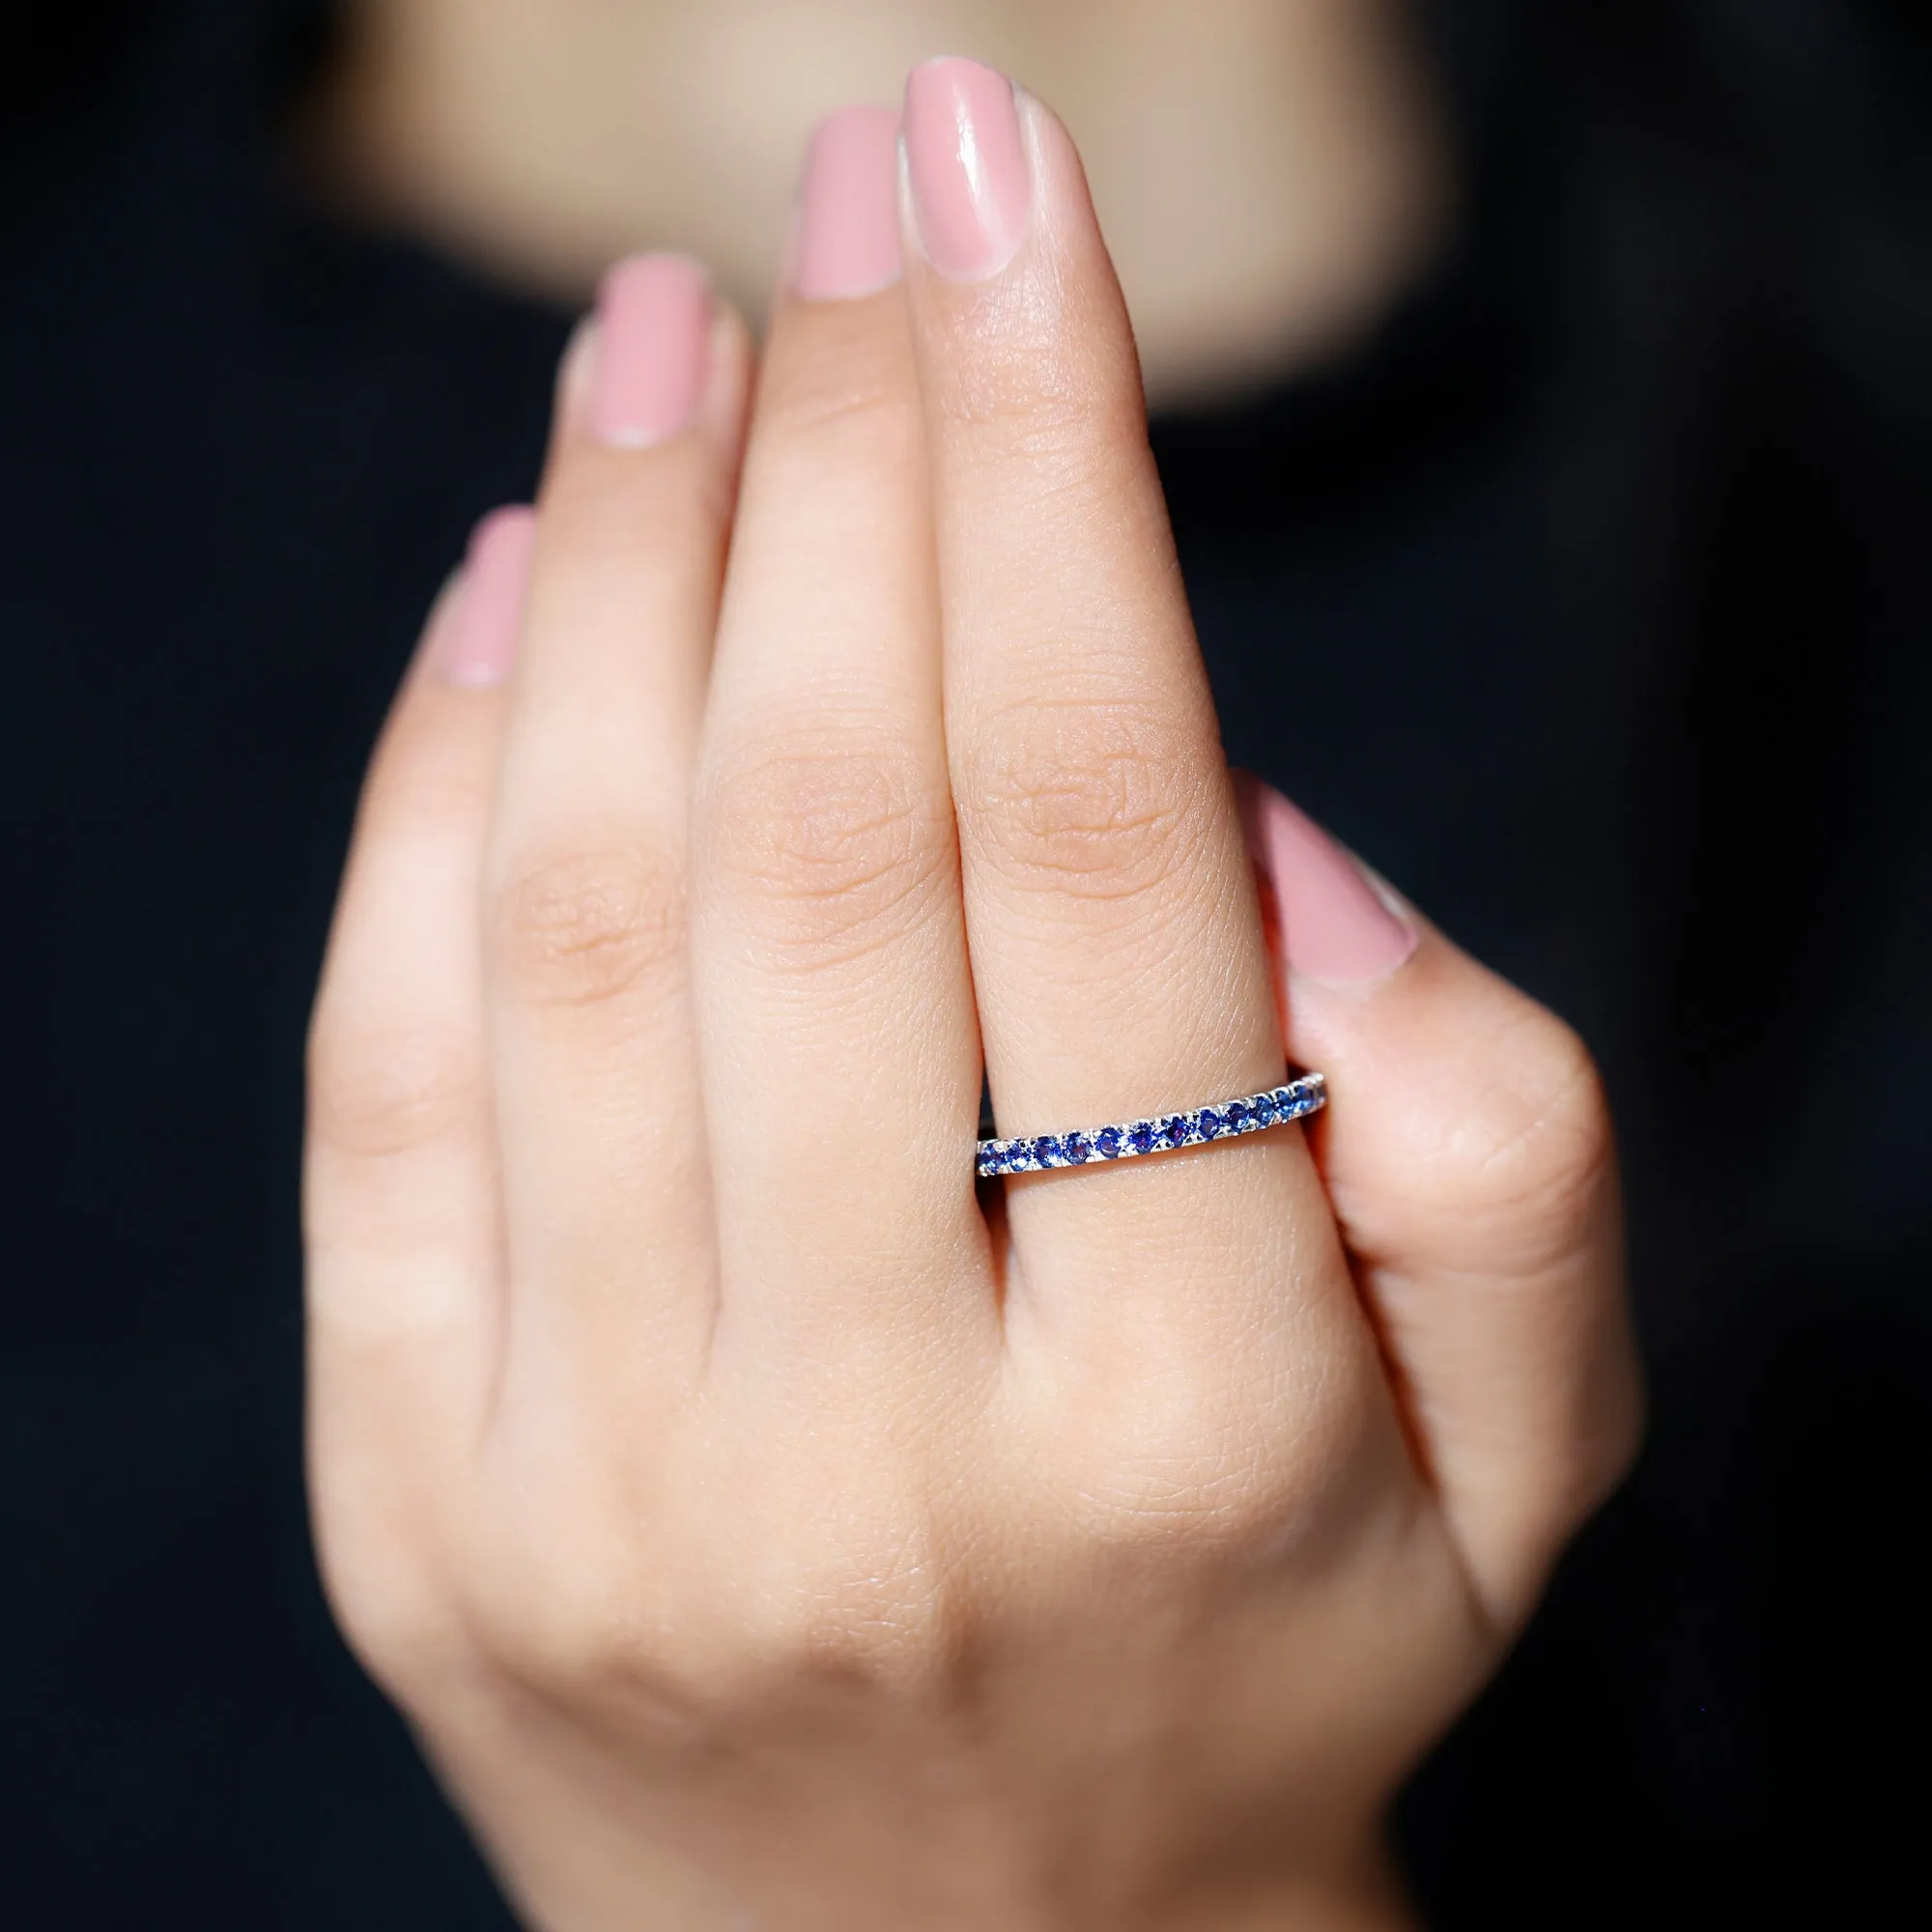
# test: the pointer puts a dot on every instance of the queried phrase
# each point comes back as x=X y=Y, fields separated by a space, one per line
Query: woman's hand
x=761 y=1529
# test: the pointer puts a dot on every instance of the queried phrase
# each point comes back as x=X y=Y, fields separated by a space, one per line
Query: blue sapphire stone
x=1143 y=1136
x=1265 y=1111
x=1175 y=1131
x=1107 y=1143
x=1212 y=1126
x=1235 y=1116
x=1046 y=1151
x=1074 y=1148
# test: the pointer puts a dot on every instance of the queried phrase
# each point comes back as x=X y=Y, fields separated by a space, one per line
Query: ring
x=1124 y=1140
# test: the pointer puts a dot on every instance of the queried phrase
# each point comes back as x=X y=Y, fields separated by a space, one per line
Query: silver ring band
x=1124 y=1140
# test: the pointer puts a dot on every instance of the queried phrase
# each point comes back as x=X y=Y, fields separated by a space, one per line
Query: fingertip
x=652 y=364
x=475 y=643
x=582 y=449
x=967 y=168
x=999 y=226
x=845 y=234
x=1467 y=1127
x=1330 y=918
x=662 y=354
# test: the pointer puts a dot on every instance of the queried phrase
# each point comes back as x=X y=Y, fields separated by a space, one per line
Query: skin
x=545 y=138
x=764 y=1531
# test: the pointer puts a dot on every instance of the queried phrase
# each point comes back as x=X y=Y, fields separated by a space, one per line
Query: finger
x=594 y=1071
x=399 y=1197
x=828 y=940
x=1116 y=942
x=1467 y=1150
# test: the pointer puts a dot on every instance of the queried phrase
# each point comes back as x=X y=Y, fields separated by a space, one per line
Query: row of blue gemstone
x=1246 y=1116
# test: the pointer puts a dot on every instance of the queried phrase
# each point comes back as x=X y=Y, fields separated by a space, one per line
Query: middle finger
x=840 y=1047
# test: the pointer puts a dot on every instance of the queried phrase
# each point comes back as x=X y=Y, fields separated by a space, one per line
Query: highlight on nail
x=972 y=189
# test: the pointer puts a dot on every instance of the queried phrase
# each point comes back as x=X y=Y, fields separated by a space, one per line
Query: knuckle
x=1170 y=1509
x=1541 y=1140
x=1196 y=1464
x=395 y=1619
x=583 y=926
x=586 y=1631
x=557 y=1595
x=829 y=849
x=603 y=514
x=1510 y=1163
x=564 y=1637
x=842 y=393
x=379 y=1092
x=844 y=1629
x=1094 y=799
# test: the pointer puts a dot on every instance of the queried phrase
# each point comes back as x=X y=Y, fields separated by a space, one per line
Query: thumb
x=1467 y=1152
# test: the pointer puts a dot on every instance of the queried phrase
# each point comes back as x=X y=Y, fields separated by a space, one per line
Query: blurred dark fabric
x=1590 y=599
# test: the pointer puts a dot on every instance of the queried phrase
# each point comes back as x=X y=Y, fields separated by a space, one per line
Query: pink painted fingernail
x=479 y=643
x=1331 y=921
x=653 y=349
x=972 y=192
x=848 y=207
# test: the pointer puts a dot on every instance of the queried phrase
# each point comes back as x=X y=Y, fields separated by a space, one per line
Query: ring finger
x=1116 y=940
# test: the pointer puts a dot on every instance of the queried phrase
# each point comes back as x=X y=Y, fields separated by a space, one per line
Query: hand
x=760 y=1529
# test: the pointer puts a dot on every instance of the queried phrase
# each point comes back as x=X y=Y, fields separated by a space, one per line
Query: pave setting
x=1125 y=1140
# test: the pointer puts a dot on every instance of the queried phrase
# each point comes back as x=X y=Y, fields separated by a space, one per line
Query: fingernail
x=848 y=207
x=971 y=191
x=479 y=643
x=1330 y=920
x=653 y=346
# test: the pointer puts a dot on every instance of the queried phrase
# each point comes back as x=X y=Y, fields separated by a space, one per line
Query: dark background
x=1590 y=598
